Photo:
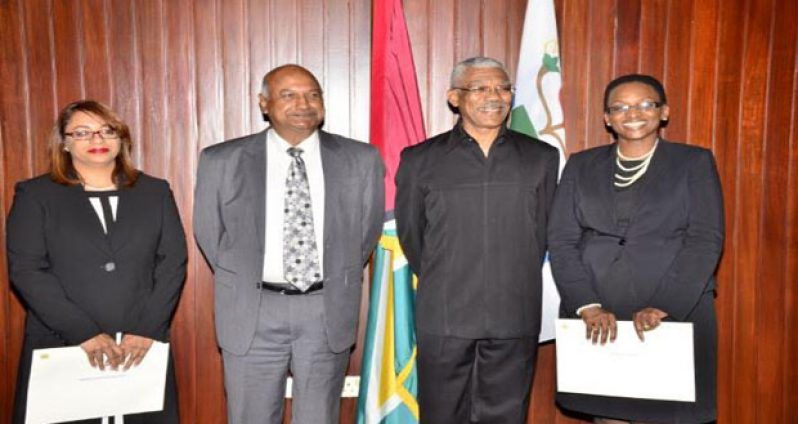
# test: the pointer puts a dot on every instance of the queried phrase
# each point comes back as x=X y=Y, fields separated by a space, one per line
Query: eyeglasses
x=644 y=106
x=106 y=133
x=484 y=90
x=292 y=96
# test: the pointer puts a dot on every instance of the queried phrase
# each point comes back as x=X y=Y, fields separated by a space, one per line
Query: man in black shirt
x=471 y=213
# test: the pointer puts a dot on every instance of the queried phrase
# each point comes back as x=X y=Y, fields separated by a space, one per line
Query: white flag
x=537 y=112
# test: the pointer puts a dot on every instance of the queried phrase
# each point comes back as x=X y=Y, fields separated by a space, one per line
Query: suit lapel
x=253 y=169
x=332 y=165
x=600 y=188
x=123 y=216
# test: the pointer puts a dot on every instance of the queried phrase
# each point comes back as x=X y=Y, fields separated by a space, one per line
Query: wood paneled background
x=184 y=74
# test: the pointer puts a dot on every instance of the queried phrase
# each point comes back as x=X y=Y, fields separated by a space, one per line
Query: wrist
x=586 y=307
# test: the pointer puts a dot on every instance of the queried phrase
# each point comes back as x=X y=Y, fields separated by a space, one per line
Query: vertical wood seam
x=80 y=40
x=690 y=77
x=716 y=78
x=53 y=68
x=616 y=40
x=326 y=44
x=107 y=42
x=272 y=46
x=165 y=129
x=26 y=88
x=137 y=81
x=481 y=32
x=246 y=100
x=352 y=70
x=737 y=188
x=666 y=43
x=586 y=81
x=763 y=184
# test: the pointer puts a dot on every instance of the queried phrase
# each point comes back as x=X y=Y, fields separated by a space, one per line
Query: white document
x=64 y=387
x=661 y=367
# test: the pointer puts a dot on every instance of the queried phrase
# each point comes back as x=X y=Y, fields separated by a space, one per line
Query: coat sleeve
x=691 y=271
x=30 y=271
x=545 y=200
x=373 y=203
x=574 y=281
x=409 y=210
x=168 y=275
x=207 y=220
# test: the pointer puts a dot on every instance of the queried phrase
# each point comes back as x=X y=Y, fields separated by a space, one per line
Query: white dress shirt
x=277 y=163
x=98 y=208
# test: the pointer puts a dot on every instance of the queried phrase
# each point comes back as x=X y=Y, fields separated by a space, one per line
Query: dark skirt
x=651 y=411
x=169 y=415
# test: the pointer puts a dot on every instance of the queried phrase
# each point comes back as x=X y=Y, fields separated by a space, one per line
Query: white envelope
x=661 y=367
x=64 y=387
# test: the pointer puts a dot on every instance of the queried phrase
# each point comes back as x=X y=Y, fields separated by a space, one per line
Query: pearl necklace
x=639 y=169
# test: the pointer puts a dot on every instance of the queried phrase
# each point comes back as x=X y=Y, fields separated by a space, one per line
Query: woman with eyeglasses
x=635 y=233
x=95 y=248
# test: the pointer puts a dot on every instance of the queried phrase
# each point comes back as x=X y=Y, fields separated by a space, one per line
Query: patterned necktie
x=300 y=256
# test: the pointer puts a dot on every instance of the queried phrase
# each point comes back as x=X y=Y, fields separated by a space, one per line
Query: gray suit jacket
x=229 y=219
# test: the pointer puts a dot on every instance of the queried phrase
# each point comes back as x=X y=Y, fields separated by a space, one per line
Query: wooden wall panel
x=16 y=164
x=790 y=302
x=204 y=395
x=185 y=74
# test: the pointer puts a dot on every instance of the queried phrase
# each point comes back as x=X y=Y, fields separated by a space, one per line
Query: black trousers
x=482 y=381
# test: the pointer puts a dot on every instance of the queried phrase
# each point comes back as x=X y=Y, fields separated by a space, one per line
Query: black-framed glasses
x=484 y=90
x=644 y=106
x=106 y=133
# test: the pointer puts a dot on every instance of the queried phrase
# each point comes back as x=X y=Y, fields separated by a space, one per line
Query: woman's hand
x=599 y=324
x=103 y=344
x=647 y=319
x=135 y=348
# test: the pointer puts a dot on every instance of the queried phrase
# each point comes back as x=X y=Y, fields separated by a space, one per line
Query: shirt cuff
x=582 y=308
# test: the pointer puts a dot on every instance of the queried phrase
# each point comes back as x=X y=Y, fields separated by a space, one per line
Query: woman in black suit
x=636 y=231
x=95 y=247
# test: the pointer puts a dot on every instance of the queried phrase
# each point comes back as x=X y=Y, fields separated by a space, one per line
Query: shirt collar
x=309 y=145
x=460 y=136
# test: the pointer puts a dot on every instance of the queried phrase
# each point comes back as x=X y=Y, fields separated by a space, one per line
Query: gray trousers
x=291 y=337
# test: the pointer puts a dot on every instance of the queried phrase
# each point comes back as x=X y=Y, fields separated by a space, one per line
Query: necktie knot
x=295 y=152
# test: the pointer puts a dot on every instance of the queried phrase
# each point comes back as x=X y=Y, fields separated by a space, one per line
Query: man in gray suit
x=287 y=219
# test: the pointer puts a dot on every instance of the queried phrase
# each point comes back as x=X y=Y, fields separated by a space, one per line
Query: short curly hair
x=639 y=78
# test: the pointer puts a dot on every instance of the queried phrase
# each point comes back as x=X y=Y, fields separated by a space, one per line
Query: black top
x=474 y=230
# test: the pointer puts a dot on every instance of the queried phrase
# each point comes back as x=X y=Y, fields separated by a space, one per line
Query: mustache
x=492 y=105
x=304 y=113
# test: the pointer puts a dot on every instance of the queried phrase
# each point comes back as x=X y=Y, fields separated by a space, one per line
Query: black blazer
x=671 y=245
x=75 y=281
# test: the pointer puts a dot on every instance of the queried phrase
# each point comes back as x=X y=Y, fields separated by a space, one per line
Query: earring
x=66 y=149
